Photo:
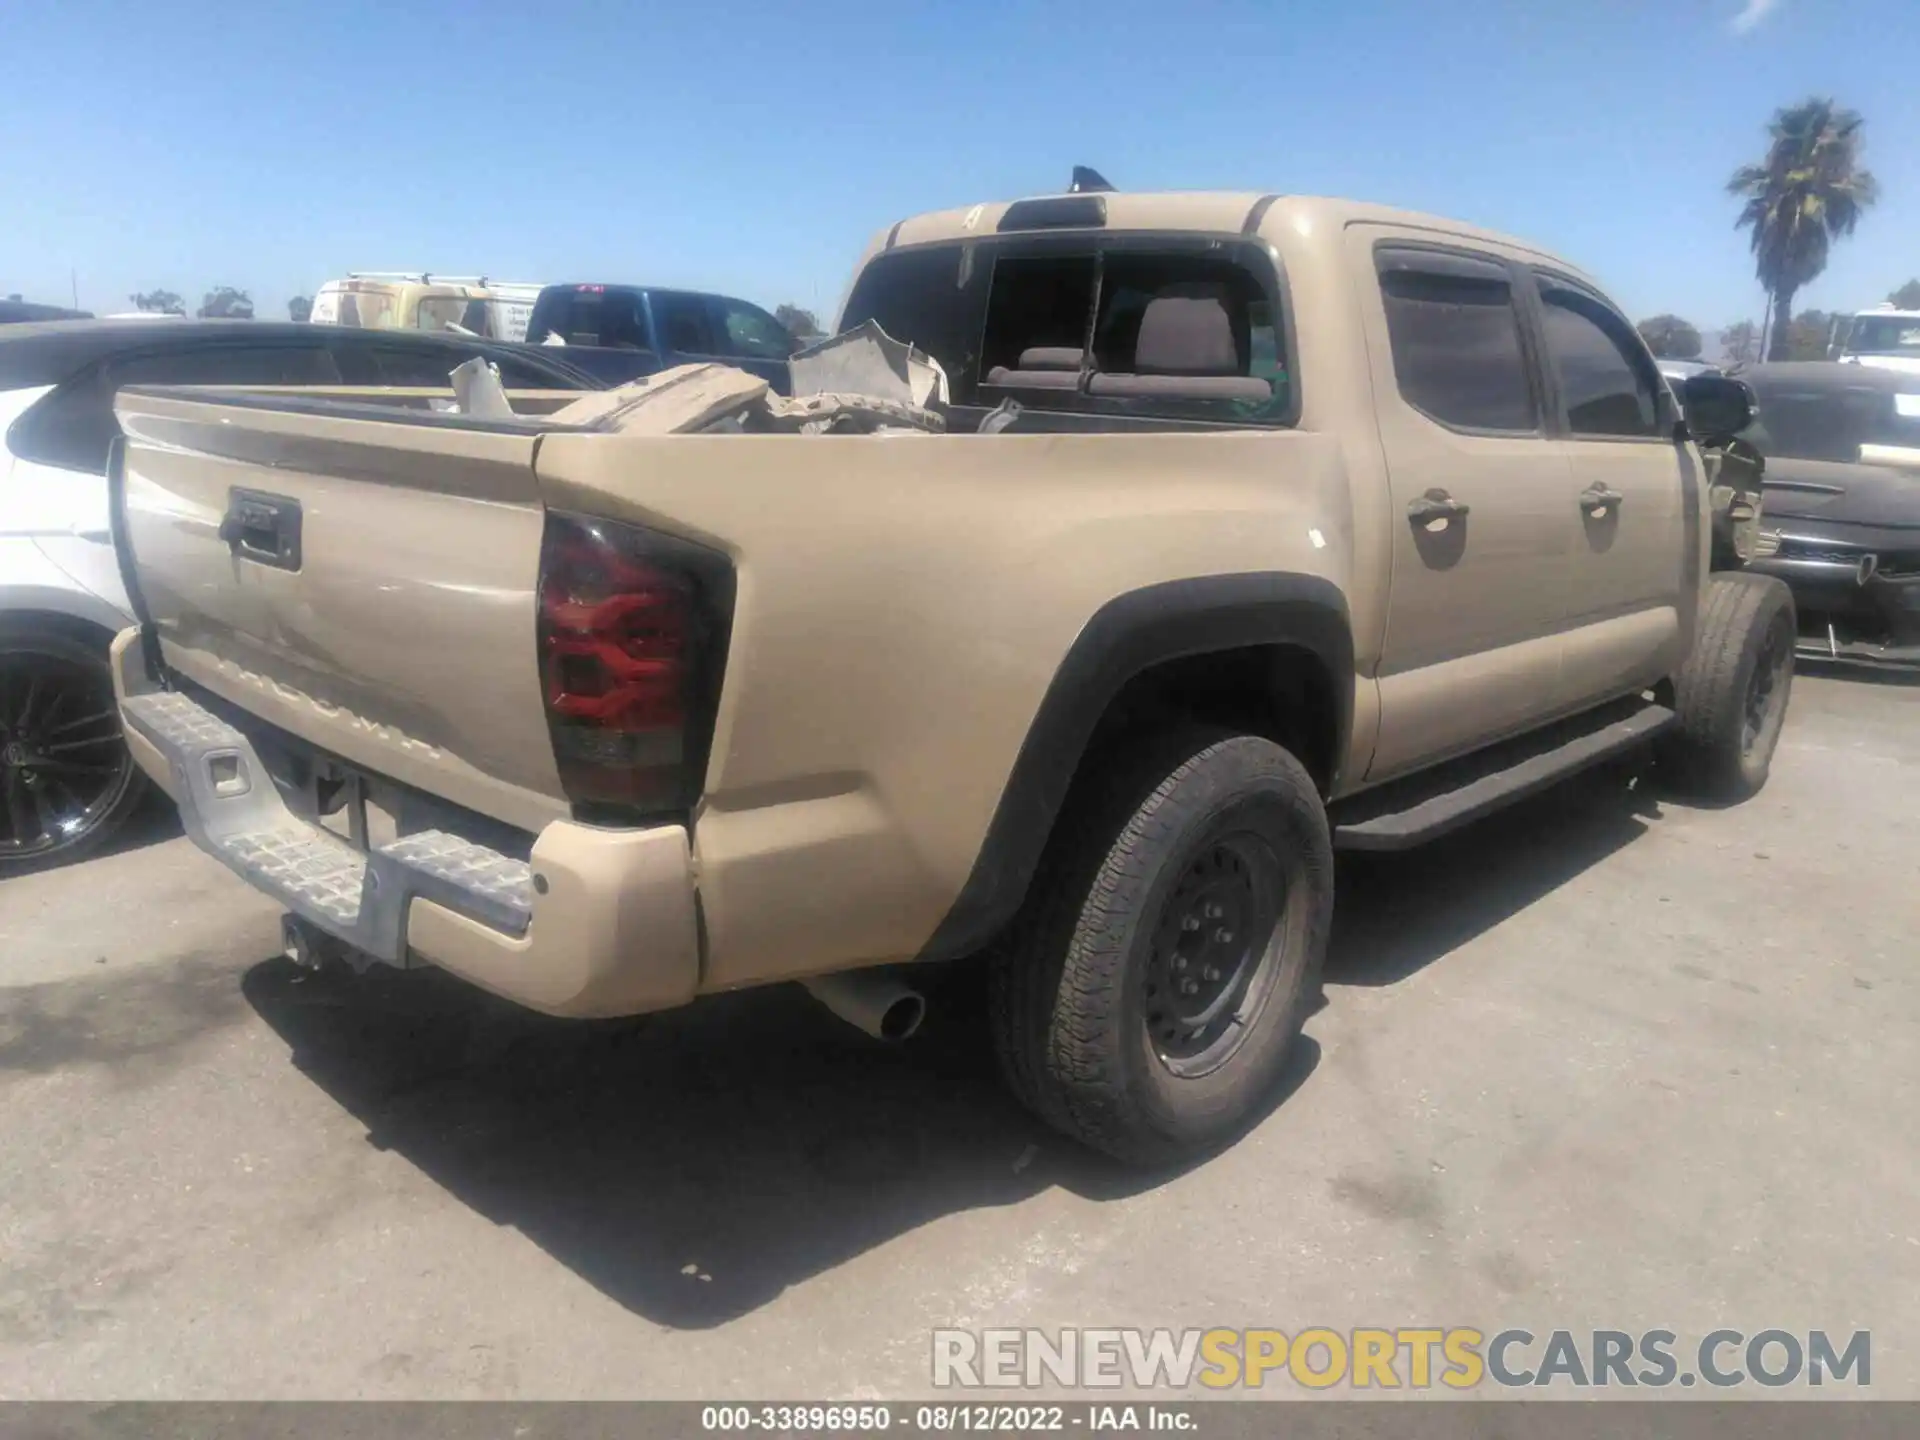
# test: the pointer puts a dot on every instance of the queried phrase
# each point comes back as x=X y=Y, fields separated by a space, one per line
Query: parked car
x=621 y=332
x=1348 y=526
x=14 y=311
x=66 y=781
x=1841 y=514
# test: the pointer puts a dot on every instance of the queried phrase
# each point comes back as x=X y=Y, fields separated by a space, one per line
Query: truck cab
x=606 y=326
x=1885 y=338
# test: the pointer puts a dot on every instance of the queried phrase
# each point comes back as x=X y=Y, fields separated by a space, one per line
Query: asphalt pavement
x=1604 y=1061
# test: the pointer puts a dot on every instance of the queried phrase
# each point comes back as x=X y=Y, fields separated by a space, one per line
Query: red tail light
x=633 y=630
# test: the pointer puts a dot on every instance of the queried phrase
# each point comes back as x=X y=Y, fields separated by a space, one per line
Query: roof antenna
x=1086 y=179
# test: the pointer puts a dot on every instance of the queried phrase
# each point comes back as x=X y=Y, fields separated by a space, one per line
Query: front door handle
x=1436 y=505
x=1596 y=500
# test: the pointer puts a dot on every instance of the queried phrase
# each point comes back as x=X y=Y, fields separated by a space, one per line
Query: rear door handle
x=1597 y=499
x=1436 y=505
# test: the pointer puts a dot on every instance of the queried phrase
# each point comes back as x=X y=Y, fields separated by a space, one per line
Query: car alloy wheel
x=64 y=765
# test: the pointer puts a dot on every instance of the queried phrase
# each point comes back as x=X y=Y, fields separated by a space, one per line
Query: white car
x=66 y=780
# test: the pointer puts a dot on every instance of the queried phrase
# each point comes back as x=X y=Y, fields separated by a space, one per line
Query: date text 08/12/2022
x=944 y=1419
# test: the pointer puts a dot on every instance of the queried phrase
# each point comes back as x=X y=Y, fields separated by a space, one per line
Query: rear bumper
x=595 y=922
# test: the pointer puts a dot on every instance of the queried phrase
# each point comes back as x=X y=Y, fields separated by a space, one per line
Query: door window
x=1607 y=384
x=1455 y=335
x=751 y=332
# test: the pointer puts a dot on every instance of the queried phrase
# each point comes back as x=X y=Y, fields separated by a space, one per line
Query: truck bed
x=898 y=607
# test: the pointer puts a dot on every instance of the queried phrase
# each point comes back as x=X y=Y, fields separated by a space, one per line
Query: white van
x=417 y=300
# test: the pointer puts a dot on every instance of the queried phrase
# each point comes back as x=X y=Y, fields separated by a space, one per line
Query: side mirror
x=1717 y=407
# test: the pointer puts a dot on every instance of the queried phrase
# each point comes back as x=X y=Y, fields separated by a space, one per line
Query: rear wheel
x=1731 y=694
x=1146 y=1002
x=67 y=781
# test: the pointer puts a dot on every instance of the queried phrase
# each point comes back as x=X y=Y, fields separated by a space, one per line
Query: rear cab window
x=608 y=316
x=1178 y=328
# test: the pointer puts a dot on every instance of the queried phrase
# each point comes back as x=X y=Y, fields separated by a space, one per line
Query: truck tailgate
x=364 y=579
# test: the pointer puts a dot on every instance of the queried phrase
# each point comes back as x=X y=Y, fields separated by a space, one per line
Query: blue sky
x=753 y=147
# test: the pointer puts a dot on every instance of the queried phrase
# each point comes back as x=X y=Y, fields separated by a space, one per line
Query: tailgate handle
x=262 y=528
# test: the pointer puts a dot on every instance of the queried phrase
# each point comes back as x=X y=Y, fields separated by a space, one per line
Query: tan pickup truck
x=1243 y=528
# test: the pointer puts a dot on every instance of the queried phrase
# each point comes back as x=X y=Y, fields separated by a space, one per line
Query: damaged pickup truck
x=1195 y=537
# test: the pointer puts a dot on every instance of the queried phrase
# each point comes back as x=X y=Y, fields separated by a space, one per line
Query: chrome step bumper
x=231 y=808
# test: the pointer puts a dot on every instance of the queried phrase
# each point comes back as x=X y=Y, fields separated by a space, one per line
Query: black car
x=66 y=780
x=1841 y=511
x=14 y=311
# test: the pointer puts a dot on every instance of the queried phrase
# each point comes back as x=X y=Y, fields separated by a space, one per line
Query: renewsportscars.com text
x=1456 y=1358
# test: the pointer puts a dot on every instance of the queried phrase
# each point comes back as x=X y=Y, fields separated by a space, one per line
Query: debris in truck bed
x=477 y=389
x=676 y=401
x=867 y=361
x=691 y=399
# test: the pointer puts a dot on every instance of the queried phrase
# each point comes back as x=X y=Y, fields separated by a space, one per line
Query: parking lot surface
x=1605 y=1061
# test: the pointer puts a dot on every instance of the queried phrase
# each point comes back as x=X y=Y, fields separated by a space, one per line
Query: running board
x=1422 y=807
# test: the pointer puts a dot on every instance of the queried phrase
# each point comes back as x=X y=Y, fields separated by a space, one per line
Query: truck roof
x=1203 y=211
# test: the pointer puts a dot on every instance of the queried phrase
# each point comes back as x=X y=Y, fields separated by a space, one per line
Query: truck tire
x=67 y=782
x=1731 y=693
x=1147 y=998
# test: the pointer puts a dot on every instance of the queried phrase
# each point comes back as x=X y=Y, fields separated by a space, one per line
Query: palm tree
x=1808 y=193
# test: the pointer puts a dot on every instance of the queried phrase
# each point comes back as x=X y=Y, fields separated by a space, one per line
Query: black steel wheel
x=1215 y=952
x=66 y=778
x=1766 y=703
x=1147 y=998
x=1732 y=691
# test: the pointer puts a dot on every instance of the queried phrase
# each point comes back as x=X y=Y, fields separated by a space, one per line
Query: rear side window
x=411 y=368
x=1608 y=386
x=230 y=365
x=1455 y=334
x=684 y=323
x=73 y=427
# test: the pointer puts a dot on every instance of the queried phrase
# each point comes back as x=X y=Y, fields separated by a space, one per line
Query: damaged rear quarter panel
x=902 y=605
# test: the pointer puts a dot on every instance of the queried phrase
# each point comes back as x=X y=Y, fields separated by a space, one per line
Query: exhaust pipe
x=876 y=1003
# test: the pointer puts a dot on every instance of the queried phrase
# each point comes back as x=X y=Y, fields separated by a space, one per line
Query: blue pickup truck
x=621 y=332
